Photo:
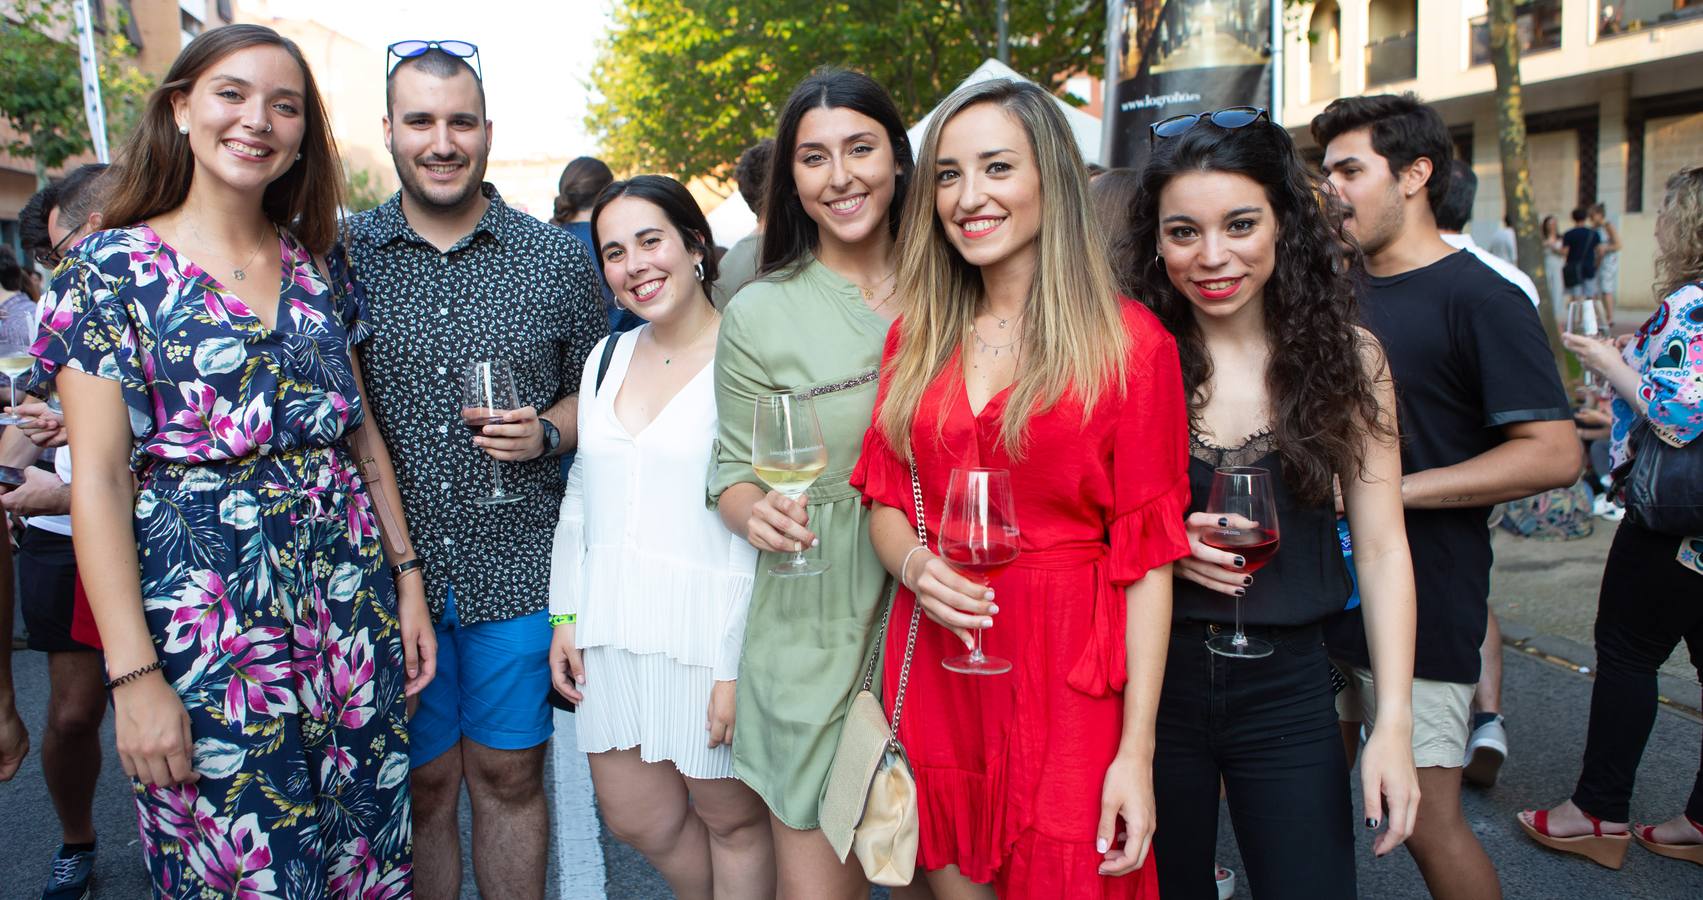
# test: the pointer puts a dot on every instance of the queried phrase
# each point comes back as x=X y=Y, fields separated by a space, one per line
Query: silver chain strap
x=916 y=617
x=916 y=610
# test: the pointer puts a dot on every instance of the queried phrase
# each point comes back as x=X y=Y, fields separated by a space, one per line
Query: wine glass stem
x=1240 y=638
x=496 y=477
x=976 y=651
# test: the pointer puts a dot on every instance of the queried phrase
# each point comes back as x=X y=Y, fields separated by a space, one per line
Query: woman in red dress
x=1015 y=352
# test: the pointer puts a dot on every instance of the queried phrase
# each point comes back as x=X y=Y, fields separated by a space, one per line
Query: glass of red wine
x=978 y=538
x=487 y=391
x=1241 y=496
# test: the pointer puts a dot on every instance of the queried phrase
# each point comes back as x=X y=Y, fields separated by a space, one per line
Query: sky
x=536 y=57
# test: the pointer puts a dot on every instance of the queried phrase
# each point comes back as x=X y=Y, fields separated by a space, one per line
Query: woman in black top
x=1233 y=245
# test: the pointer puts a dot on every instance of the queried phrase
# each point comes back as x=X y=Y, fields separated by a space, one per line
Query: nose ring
x=268 y=128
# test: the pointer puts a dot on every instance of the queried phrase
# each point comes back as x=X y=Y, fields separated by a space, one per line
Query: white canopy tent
x=1085 y=127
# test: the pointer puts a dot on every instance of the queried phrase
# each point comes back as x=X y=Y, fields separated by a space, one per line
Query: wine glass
x=487 y=391
x=978 y=538
x=12 y=365
x=1241 y=496
x=788 y=453
x=1586 y=318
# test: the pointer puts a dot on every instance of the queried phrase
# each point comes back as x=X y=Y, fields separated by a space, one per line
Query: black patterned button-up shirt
x=516 y=289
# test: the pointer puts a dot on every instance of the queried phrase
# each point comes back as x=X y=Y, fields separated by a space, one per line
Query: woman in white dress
x=648 y=589
x=1554 y=256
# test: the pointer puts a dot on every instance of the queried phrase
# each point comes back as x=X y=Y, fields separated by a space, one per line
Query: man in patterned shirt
x=454 y=276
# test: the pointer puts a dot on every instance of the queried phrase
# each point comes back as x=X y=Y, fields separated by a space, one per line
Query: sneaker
x=71 y=876
x=1226 y=880
x=1485 y=753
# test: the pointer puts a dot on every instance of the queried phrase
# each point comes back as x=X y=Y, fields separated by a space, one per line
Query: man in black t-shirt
x=1579 y=270
x=1483 y=419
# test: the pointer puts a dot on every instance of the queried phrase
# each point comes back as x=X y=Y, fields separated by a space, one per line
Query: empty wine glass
x=1586 y=318
x=978 y=538
x=487 y=391
x=788 y=453
x=1241 y=496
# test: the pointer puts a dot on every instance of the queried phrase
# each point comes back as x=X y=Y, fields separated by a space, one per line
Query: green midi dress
x=807 y=639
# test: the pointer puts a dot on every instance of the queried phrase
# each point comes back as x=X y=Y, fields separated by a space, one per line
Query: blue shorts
x=489 y=686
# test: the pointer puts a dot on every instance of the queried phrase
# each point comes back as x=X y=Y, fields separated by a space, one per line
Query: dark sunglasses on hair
x=409 y=49
x=51 y=256
x=1226 y=118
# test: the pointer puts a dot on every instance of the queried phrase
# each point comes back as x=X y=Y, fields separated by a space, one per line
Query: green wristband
x=563 y=619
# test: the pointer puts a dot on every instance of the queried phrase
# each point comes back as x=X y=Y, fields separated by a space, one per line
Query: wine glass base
x=969 y=665
x=498 y=499
x=9 y=419
x=1245 y=648
x=801 y=567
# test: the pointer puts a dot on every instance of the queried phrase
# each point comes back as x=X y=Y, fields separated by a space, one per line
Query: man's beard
x=1386 y=228
x=416 y=189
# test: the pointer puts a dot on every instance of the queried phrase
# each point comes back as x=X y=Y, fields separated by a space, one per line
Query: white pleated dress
x=659 y=585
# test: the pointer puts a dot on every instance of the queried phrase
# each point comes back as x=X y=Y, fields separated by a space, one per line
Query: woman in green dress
x=814 y=321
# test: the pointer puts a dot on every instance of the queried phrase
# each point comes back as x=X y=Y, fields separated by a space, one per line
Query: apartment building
x=159 y=29
x=1613 y=96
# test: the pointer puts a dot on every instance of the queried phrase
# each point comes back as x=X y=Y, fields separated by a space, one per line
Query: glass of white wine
x=12 y=365
x=788 y=453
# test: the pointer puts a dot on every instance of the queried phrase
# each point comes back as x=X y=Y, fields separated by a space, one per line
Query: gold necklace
x=668 y=360
x=869 y=292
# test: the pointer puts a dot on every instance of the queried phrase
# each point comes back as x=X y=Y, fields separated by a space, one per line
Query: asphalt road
x=1546 y=703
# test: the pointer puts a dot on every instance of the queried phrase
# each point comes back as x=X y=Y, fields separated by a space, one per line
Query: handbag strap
x=916 y=618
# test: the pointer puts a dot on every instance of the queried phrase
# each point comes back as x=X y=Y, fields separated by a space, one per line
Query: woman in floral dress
x=259 y=655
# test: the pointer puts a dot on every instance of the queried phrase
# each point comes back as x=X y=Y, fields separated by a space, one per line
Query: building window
x=132 y=30
x=1634 y=165
x=1627 y=16
x=224 y=9
x=1392 y=46
x=1324 y=50
x=1538 y=23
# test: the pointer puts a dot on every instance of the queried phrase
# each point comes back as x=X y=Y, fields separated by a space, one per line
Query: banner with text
x=1183 y=56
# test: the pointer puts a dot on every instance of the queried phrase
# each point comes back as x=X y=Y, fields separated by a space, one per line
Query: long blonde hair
x=1073 y=331
x=1680 y=225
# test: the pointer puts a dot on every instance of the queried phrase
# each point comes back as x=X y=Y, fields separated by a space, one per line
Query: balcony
x=1642 y=15
x=1393 y=58
x=1539 y=25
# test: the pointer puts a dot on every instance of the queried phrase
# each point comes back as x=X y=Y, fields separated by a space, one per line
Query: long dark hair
x=788 y=232
x=577 y=190
x=155 y=165
x=677 y=206
x=1322 y=397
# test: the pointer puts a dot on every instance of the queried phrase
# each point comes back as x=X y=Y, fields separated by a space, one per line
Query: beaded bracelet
x=563 y=619
x=128 y=677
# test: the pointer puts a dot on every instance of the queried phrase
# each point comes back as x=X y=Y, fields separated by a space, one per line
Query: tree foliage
x=41 y=86
x=688 y=84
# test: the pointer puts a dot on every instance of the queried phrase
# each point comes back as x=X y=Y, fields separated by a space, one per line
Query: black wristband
x=402 y=568
x=128 y=677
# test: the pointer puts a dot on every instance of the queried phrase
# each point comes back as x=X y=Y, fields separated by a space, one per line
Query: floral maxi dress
x=262 y=576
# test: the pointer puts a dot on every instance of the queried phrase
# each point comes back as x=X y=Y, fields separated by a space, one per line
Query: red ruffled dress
x=1010 y=767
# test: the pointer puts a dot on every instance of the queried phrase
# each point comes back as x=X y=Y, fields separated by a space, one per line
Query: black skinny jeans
x=1647 y=603
x=1268 y=728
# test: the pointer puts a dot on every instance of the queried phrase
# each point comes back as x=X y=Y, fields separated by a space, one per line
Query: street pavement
x=1544 y=592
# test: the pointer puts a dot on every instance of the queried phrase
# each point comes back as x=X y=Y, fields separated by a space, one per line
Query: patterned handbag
x=869 y=803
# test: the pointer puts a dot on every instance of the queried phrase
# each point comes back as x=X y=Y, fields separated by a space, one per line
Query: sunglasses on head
x=1227 y=118
x=409 y=49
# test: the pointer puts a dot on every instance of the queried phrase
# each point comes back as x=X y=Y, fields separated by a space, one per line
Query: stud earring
x=183 y=129
x=298 y=157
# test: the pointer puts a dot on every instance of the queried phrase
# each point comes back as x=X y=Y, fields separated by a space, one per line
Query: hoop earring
x=699 y=269
x=298 y=157
x=1159 y=260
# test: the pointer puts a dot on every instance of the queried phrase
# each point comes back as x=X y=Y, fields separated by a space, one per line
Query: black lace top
x=1305 y=582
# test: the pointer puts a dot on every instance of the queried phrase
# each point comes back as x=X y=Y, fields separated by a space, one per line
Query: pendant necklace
x=669 y=360
x=239 y=272
x=869 y=292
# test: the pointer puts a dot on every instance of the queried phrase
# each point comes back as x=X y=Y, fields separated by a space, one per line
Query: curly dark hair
x=1322 y=396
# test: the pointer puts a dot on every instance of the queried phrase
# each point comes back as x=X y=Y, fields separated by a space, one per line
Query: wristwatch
x=552 y=436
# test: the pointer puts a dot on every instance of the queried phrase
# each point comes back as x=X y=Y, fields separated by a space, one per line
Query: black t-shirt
x=1581 y=263
x=1469 y=357
x=1306 y=581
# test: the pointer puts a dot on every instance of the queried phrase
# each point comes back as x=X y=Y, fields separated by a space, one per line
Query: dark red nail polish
x=1247 y=580
x=1240 y=562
